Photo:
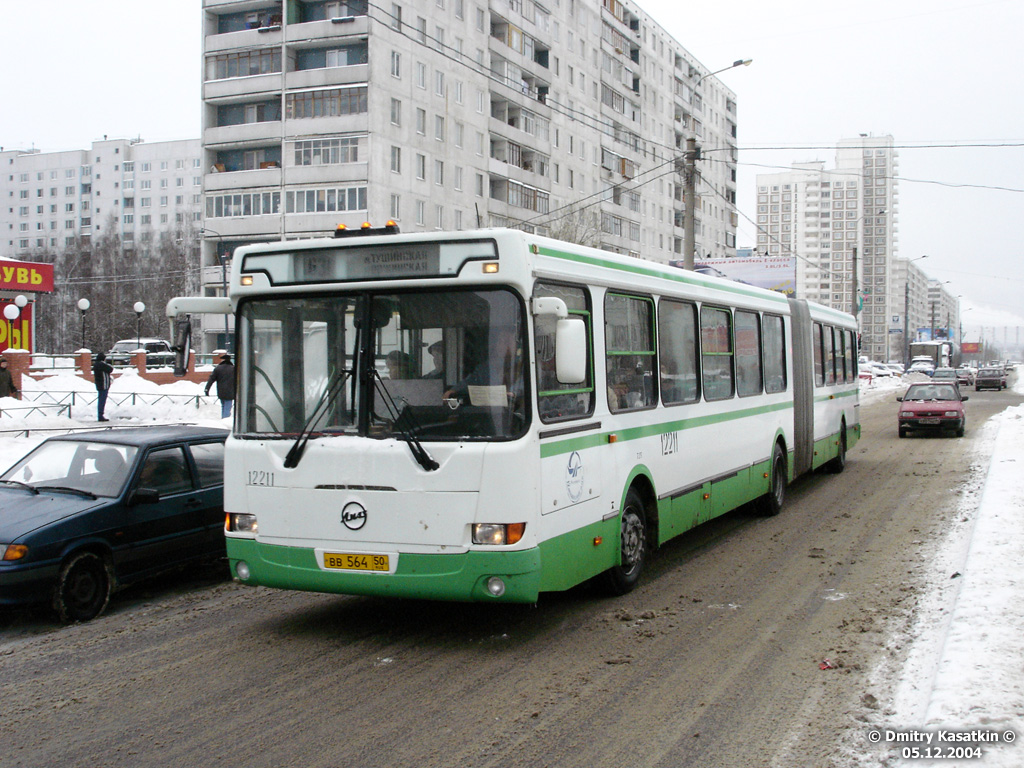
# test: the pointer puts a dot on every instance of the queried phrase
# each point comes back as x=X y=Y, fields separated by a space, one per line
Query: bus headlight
x=237 y=522
x=497 y=534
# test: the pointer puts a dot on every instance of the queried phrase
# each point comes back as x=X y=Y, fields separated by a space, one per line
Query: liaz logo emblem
x=353 y=516
x=574 y=477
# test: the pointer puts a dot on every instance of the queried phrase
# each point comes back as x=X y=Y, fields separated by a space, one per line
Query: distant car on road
x=965 y=375
x=944 y=375
x=158 y=352
x=932 y=407
x=83 y=514
x=922 y=366
x=990 y=377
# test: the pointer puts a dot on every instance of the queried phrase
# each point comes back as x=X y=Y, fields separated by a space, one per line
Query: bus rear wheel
x=623 y=577
x=770 y=504
x=838 y=464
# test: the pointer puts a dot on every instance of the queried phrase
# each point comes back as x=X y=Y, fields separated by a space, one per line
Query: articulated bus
x=489 y=414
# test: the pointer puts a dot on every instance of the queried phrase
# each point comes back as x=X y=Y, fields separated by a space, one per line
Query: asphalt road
x=715 y=660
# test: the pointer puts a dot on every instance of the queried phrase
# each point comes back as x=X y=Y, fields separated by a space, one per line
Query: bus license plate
x=344 y=561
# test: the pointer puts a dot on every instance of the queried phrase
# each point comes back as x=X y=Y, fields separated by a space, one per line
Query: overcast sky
x=932 y=73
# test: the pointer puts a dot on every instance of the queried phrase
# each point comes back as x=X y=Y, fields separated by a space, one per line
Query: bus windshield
x=430 y=365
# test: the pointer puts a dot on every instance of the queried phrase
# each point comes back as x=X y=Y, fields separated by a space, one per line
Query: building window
x=328 y=151
x=333 y=200
x=331 y=103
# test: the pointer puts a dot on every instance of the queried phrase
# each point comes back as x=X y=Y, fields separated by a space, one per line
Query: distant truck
x=943 y=354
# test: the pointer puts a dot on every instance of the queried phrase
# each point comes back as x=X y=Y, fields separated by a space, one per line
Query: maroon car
x=932 y=406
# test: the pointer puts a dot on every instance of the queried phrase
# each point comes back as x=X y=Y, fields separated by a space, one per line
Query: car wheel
x=770 y=504
x=621 y=578
x=903 y=432
x=83 y=588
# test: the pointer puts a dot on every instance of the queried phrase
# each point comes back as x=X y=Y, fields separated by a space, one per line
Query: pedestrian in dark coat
x=7 y=388
x=101 y=371
x=224 y=377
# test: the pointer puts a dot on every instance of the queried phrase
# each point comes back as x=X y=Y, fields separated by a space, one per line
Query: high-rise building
x=567 y=118
x=840 y=223
x=56 y=200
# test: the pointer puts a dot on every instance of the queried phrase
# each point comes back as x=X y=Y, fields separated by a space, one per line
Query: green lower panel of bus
x=569 y=559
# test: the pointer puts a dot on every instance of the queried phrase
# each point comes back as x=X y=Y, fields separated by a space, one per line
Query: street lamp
x=223 y=278
x=139 y=308
x=690 y=177
x=83 y=306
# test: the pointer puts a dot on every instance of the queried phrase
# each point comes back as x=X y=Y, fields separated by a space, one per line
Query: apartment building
x=841 y=225
x=55 y=200
x=566 y=118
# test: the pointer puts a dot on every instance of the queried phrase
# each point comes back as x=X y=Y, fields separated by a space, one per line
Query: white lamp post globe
x=11 y=312
x=20 y=300
x=139 y=307
x=83 y=304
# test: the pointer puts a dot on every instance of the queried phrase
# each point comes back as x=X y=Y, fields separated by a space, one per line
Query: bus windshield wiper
x=419 y=453
x=330 y=393
x=20 y=484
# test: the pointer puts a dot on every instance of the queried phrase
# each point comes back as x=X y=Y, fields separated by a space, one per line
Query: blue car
x=84 y=514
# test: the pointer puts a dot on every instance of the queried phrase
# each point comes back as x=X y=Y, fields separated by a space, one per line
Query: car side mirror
x=899 y=399
x=964 y=398
x=144 y=496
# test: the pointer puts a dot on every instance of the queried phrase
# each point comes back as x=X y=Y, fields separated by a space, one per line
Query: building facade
x=567 y=118
x=57 y=200
x=841 y=225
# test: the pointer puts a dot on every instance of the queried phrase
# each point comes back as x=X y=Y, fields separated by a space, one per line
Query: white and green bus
x=489 y=415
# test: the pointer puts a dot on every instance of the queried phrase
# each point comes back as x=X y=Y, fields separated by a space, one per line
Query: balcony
x=244 y=38
x=260 y=177
x=327 y=77
x=241 y=133
x=247 y=85
x=327 y=29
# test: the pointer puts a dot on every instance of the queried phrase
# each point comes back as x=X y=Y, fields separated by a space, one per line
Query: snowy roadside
x=962 y=677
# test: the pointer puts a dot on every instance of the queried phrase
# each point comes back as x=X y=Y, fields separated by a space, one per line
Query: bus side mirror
x=182 y=345
x=571 y=351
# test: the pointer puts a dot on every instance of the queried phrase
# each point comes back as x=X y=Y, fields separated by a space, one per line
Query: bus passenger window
x=677 y=348
x=774 y=354
x=716 y=353
x=748 y=354
x=629 y=352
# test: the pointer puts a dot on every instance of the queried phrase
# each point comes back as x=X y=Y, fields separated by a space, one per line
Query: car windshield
x=931 y=392
x=97 y=468
x=125 y=346
x=436 y=365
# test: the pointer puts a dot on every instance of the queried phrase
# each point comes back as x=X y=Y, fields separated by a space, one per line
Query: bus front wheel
x=621 y=578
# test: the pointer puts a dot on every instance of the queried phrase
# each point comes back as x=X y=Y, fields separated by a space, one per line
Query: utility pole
x=690 y=158
x=853 y=282
x=906 y=321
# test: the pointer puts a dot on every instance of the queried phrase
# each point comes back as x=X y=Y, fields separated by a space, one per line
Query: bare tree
x=577 y=224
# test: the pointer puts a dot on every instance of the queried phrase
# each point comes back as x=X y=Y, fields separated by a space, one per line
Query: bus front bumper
x=465 y=577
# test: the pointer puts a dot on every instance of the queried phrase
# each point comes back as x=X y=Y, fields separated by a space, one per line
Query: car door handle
x=193 y=502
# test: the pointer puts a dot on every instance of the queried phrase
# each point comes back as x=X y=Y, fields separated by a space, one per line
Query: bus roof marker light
x=613 y=438
x=598 y=540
